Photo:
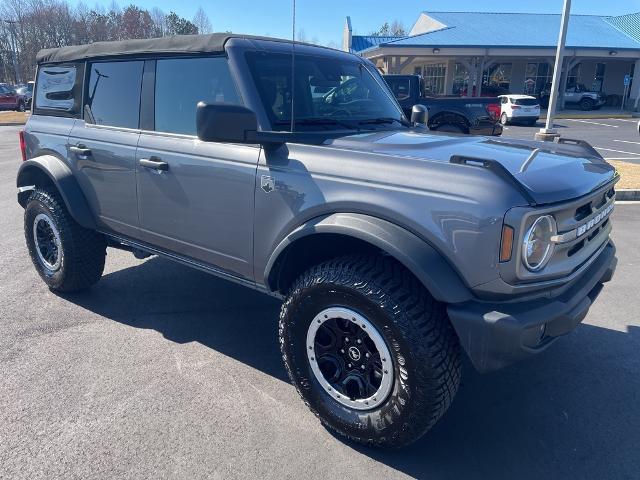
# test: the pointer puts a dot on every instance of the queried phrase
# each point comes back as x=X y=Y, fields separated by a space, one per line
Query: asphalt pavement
x=614 y=138
x=161 y=371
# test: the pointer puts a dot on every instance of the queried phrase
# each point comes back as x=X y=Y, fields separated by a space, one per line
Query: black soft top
x=209 y=43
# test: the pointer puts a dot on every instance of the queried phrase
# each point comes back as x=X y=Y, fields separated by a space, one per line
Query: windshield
x=329 y=94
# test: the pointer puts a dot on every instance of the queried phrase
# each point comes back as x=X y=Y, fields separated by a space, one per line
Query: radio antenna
x=293 y=64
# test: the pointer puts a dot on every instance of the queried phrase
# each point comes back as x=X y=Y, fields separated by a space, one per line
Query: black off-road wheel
x=67 y=256
x=368 y=349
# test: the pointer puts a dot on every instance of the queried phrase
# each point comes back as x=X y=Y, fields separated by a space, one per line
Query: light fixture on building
x=436 y=50
x=613 y=53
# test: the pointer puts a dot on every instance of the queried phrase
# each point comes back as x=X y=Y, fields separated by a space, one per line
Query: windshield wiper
x=381 y=120
x=318 y=121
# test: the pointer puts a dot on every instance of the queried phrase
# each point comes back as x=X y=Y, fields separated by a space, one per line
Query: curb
x=11 y=124
x=627 y=195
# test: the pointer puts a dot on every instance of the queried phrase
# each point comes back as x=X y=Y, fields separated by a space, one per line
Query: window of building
x=573 y=77
x=58 y=89
x=434 y=75
x=598 y=79
x=537 y=75
x=460 y=80
x=497 y=76
x=113 y=95
x=183 y=82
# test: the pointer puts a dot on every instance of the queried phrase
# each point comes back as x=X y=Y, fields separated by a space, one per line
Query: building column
x=448 y=77
x=634 y=94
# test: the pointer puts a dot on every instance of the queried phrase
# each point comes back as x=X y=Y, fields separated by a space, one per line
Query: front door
x=195 y=198
x=103 y=144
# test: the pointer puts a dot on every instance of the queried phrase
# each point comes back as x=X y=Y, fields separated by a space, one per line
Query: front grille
x=583 y=228
x=587 y=216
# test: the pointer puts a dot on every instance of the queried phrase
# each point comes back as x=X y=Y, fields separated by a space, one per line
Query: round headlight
x=537 y=245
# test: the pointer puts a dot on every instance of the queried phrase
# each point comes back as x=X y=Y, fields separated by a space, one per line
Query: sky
x=323 y=21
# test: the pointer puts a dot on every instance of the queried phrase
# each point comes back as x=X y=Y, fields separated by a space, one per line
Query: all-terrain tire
x=82 y=251
x=424 y=347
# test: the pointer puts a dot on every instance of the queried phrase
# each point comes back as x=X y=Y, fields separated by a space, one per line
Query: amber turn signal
x=506 y=244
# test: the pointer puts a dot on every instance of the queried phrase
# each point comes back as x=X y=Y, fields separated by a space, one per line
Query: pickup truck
x=475 y=116
x=394 y=250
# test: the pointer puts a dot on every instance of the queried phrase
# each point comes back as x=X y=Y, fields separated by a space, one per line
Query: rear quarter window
x=58 y=90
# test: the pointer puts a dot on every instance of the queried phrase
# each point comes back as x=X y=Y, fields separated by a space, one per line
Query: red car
x=11 y=100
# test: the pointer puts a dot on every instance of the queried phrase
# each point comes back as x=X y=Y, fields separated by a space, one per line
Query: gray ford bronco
x=395 y=250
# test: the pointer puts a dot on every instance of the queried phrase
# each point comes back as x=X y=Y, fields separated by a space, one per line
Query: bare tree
x=159 y=22
x=38 y=24
x=396 y=29
x=201 y=21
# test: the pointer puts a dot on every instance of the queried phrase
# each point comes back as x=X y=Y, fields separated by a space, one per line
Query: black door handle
x=80 y=150
x=154 y=163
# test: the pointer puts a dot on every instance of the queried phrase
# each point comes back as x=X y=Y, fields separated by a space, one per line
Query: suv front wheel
x=586 y=104
x=371 y=353
x=67 y=256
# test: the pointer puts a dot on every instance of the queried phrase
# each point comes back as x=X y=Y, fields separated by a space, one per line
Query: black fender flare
x=422 y=259
x=62 y=178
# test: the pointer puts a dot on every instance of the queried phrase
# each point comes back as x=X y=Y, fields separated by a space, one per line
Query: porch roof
x=511 y=30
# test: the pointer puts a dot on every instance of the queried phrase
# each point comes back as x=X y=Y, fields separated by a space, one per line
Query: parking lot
x=161 y=371
x=614 y=138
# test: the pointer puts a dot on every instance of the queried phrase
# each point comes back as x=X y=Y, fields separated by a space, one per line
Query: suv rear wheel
x=368 y=349
x=21 y=106
x=67 y=256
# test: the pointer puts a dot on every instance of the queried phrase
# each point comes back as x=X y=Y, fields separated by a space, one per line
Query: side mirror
x=419 y=115
x=225 y=122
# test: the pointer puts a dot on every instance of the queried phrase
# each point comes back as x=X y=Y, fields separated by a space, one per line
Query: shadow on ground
x=572 y=412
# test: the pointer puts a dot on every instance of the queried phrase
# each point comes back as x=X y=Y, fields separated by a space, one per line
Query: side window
x=400 y=87
x=58 y=89
x=183 y=82
x=113 y=93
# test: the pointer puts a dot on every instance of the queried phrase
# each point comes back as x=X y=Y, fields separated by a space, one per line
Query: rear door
x=195 y=198
x=103 y=143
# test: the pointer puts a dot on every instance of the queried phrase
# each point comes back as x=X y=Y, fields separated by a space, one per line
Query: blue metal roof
x=629 y=24
x=518 y=30
x=364 y=42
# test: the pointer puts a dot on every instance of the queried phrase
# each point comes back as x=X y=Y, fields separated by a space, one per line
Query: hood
x=547 y=172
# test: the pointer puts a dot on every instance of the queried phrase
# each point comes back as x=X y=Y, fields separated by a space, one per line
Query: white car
x=519 y=108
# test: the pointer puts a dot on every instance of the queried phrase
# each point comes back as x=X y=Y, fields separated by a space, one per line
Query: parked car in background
x=10 y=99
x=472 y=115
x=519 y=109
x=576 y=95
x=26 y=91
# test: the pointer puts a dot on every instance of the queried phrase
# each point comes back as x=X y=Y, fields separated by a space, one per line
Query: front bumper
x=495 y=335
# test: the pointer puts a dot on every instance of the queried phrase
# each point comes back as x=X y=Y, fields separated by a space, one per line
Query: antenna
x=293 y=64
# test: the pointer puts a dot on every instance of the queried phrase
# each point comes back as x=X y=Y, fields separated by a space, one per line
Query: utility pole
x=549 y=133
x=14 y=47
